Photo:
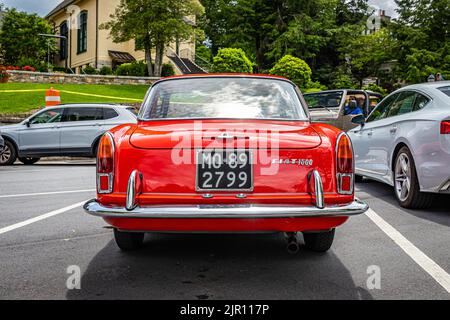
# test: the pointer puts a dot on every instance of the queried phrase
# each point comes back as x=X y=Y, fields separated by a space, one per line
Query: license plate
x=224 y=170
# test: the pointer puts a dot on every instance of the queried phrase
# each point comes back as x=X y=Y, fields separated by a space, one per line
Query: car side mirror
x=28 y=124
x=359 y=120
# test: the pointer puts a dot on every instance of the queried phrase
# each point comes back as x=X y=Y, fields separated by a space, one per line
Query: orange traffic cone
x=52 y=97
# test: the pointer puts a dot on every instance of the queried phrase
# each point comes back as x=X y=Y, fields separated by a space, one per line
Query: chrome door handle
x=370 y=133
x=393 y=130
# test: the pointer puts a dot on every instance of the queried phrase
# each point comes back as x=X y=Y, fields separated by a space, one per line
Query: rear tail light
x=344 y=165
x=445 y=127
x=105 y=164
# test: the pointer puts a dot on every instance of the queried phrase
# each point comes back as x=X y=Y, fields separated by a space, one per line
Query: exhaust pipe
x=292 y=246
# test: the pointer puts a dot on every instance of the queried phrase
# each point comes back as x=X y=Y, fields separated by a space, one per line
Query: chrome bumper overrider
x=225 y=211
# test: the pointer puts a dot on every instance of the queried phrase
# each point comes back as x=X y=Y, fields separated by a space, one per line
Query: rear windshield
x=445 y=90
x=324 y=99
x=223 y=98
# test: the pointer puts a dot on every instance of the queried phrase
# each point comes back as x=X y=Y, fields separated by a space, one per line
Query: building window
x=82 y=32
x=64 y=32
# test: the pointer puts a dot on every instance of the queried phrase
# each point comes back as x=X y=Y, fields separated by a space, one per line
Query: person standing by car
x=439 y=77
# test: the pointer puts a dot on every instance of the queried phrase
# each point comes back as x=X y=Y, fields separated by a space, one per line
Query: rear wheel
x=319 y=241
x=9 y=155
x=128 y=241
x=29 y=161
x=406 y=183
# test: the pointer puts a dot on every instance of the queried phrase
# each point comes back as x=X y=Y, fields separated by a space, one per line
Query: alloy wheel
x=403 y=177
x=6 y=155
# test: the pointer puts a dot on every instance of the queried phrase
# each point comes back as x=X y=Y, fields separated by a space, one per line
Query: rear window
x=109 y=113
x=324 y=99
x=223 y=98
x=445 y=90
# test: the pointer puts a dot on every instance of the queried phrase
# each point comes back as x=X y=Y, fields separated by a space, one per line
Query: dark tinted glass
x=445 y=90
x=421 y=101
x=381 y=111
x=324 y=99
x=49 y=116
x=109 y=113
x=404 y=104
x=82 y=114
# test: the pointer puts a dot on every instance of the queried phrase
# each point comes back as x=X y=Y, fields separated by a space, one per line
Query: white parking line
x=44 y=193
x=431 y=267
x=41 y=217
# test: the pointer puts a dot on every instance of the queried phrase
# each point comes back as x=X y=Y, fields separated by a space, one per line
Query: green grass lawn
x=19 y=102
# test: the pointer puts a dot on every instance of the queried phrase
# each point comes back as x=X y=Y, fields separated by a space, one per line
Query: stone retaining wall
x=62 y=78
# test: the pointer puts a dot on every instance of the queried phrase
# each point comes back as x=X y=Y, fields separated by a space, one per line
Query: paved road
x=35 y=255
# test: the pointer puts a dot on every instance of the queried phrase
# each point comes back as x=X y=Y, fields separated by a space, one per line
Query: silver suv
x=65 y=130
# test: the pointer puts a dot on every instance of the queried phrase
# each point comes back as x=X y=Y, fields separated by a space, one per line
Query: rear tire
x=29 y=161
x=320 y=241
x=128 y=241
x=406 y=183
x=9 y=155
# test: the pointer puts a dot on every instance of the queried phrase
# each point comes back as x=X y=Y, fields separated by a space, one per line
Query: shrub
x=59 y=69
x=4 y=76
x=135 y=69
x=89 y=70
x=232 y=60
x=375 y=88
x=105 y=71
x=167 y=70
x=295 y=69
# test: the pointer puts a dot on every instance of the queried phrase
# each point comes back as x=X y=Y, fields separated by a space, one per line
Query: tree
x=366 y=53
x=232 y=60
x=153 y=24
x=295 y=69
x=19 y=37
x=422 y=35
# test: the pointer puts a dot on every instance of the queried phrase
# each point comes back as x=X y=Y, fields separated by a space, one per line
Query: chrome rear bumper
x=225 y=211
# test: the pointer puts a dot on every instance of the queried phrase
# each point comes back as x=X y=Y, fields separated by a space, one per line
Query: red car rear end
x=225 y=153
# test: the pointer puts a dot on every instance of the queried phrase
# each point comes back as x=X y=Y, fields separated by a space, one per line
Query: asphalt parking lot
x=43 y=231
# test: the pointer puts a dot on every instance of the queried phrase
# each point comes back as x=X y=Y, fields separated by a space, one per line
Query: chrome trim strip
x=225 y=211
x=131 y=191
x=316 y=188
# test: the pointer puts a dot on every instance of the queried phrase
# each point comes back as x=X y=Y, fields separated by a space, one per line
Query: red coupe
x=225 y=153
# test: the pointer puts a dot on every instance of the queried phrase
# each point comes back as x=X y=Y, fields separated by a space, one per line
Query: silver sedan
x=405 y=142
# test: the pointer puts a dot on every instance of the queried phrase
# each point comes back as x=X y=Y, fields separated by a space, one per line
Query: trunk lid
x=251 y=134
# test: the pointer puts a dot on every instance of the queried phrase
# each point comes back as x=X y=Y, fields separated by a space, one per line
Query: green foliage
x=314 y=86
x=40 y=66
x=167 y=70
x=135 y=69
x=340 y=79
x=19 y=37
x=232 y=60
x=105 y=71
x=295 y=69
x=89 y=70
x=419 y=65
x=375 y=88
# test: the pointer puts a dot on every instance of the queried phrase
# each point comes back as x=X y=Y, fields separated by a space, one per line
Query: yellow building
x=79 y=20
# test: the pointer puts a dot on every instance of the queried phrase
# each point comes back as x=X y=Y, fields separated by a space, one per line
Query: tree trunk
x=148 y=57
x=159 y=59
